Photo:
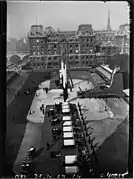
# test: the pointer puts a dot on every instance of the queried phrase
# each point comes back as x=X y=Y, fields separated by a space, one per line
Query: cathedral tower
x=108 y=22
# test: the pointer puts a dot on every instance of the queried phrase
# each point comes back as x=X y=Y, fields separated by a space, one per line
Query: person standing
x=48 y=146
x=54 y=138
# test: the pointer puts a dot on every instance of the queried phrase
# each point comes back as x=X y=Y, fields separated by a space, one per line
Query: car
x=55 y=121
x=32 y=152
x=56 y=131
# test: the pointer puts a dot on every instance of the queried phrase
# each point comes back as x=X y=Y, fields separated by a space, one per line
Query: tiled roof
x=84 y=28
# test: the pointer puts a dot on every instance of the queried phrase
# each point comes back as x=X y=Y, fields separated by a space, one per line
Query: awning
x=65 y=107
x=66 y=118
x=65 y=110
x=68 y=129
x=68 y=135
x=69 y=142
x=71 y=169
x=65 y=103
x=67 y=123
x=70 y=159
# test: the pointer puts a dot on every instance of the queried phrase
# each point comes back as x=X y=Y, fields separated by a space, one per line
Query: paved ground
x=15 y=86
x=31 y=138
x=103 y=126
x=16 y=116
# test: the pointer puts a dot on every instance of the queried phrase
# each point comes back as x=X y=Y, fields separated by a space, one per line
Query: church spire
x=108 y=22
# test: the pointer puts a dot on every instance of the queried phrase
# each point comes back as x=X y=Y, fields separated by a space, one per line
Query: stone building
x=46 y=46
x=84 y=47
x=122 y=38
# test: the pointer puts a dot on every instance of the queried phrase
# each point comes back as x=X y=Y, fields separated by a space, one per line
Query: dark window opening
x=71 y=51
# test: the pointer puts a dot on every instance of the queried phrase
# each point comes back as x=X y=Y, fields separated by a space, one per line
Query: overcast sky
x=65 y=15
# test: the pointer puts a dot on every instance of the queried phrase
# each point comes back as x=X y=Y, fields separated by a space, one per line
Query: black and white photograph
x=67 y=89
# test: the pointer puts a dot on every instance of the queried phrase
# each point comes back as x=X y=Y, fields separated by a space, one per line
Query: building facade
x=123 y=38
x=46 y=47
x=84 y=47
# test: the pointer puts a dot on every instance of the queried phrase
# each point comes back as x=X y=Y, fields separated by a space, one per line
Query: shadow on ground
x=113 y=154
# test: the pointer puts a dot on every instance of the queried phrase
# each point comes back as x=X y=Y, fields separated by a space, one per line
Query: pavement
x=103 y=116
x=15 y=86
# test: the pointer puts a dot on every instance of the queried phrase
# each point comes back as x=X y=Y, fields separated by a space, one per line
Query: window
x=71 y=51
x=76 y=57
x=76 y=45
x=87 y=45
x=70 y=45
x=54 y=45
